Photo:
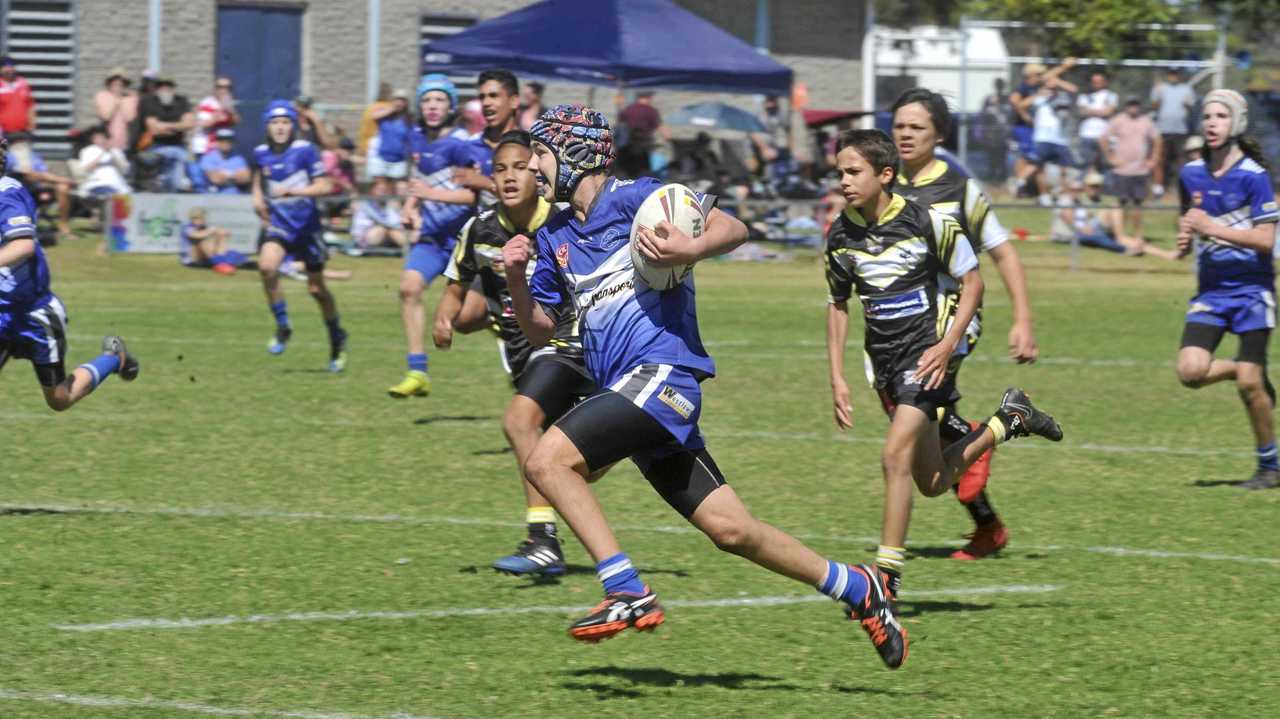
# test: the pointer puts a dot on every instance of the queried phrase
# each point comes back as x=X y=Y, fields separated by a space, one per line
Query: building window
x=40 y=36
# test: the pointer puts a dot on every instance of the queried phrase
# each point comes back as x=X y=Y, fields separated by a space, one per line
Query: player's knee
x=57 y=401
x=318 y=292
x=1191 y=374
x=729 y=534
x=894 y=461
x=410 y=290
x=1249 y=386
x=268 y=273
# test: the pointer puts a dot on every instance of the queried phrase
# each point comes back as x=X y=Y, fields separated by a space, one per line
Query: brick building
x=325 y=52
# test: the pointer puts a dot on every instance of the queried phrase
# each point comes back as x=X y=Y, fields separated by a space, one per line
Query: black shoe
x=878 y=618
x=114 y=345
x=1022 y=419
x=1262 y=479
x=617 y=612
x=533 y=556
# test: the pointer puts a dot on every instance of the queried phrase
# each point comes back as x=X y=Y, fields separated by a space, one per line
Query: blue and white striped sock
x=100 y=368
x=617 y=575
x=1268 y=458
x=842 y=583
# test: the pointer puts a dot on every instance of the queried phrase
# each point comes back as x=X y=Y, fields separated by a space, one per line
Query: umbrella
x=716 y=116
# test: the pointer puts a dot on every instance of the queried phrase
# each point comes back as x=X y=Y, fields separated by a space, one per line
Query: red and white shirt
x=211 y=116
x=15 y=105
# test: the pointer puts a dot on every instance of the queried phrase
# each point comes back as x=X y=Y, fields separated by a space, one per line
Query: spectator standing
x=104 y=166
x=368 y=128
x=223 y=171
x=643 y=124
x=116 y=106
x=309 y=126
x=17 y=113
x=1023 y=97
x=215 y=112
x=166 y=118
x=1048 y=134
x=1096 y=109
x=531 y=104
x=1173 y=101
x=389 y=151
x=1132 y=146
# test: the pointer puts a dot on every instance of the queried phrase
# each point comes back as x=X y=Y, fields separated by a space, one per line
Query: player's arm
x=259 y=198
x=320 y=185
x=955 y=253
x=994 y=239
x=446 y=312
x=454 y=196
x=15 y=252
x=1264 y=214
x=840 y=287
x=667 y=245
x=538 y=326
x=240 y=176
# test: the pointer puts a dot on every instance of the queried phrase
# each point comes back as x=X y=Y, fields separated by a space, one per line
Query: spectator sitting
x=1194 y=148
x=103 y=166
x=1096 y=227
x=205 y=246
x=340 y=165
x=166 y=118
x=376 y=223
x=1096 y=107
x=1173 y=101
x=47 y=187
x=215 y=112
x=387 y=161
x=117 y=107
x=309 y=126
x=17 y=112
x=531 y=104
x=1132 y=148
x=222 y=170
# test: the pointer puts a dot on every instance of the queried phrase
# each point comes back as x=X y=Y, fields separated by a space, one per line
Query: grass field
x=357 y=531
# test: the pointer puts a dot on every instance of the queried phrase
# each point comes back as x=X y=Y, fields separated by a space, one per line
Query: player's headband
x=582 y=141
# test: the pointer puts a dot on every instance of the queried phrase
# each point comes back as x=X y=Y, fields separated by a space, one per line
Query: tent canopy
x=634 y=43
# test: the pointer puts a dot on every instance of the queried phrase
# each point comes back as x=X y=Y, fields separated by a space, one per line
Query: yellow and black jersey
x=946 y=189
x=478 y=254
x=893 y=266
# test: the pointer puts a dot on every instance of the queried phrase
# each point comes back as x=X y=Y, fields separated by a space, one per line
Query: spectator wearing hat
x=166 y=119
x=17 y=113
x=214 y=113
x=1096 y=108
x=116 y=106
x=1022 y=100
x=223 y=171
x=309 y=126
x=1193 y=148
x=388 y=159
x=1079 y=219
x=1173 y=101
x=1132 y=147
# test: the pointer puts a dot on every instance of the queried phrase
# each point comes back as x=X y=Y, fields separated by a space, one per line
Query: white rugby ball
x=678 y=205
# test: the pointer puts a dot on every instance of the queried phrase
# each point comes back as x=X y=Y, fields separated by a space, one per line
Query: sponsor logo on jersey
x=612 y=237
x=910 y=379
x=19 y=220
x=562 y=255
x=676 y=401
x=1199 y=307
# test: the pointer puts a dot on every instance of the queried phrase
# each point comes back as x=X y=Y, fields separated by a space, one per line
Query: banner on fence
x=153 y=222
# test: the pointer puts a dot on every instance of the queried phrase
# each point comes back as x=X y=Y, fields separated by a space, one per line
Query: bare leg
x=412 y=313
x=897 y=460
x=63 y=193
x=522 y=424
x=269 y=259
x=726 y=521
x=1197 y=368
x=321 y=294
x=63 y=395
x=1256 y=402
x=220 y=237
x=558 y=472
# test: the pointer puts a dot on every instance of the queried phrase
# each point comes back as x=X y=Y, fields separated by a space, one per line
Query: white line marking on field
x=354 y=615
x=234 y=513
x=101 y=702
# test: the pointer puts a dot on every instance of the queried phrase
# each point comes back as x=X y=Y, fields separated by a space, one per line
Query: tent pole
x=869 y=44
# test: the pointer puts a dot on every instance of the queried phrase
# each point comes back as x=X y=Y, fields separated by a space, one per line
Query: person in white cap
x=1229 y=218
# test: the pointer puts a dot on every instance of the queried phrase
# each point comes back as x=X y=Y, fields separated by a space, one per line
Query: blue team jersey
x=435 y=160
x=393 y=139
x=1242 y=198
x=25 y=285
x=295 y=167
x=622 y=325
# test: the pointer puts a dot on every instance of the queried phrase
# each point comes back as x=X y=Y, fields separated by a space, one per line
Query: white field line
x=269 y=514
x=101 y=702
x=355 y=615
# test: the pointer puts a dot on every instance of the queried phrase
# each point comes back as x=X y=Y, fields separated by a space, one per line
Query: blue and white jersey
x=433 y=162
x=296 y=167
x=622 y=325
x=25 y=285
x=1241 y=198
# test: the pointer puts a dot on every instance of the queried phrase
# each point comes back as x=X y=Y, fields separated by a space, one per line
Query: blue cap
x=280 y=108
x=435 y=82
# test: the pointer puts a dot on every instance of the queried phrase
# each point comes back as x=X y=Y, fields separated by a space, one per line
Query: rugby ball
x=681 y=207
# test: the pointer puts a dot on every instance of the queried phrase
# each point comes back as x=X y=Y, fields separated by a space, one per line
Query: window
x=40 y=36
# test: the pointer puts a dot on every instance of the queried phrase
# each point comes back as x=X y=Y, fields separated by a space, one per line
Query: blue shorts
x=1238 y=311
x=308 y=249
x=1022 y=136
x=39 y=335
x=669 y=394
x=428 y=258
x=1051 y=153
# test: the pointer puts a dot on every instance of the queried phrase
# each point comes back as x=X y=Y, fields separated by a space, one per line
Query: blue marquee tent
x=632 y=43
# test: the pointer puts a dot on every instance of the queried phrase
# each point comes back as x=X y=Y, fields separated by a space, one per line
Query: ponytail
x=1252 y=149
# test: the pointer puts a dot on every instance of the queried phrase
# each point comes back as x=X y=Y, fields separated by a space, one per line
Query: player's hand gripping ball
x=668 y=262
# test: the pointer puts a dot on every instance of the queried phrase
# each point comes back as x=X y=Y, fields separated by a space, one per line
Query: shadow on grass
x=1218 y=482
x=640 y=677
x=491 y=452
x=306 y=370
x=537 y=580
x=453 y=418
x=31 y=511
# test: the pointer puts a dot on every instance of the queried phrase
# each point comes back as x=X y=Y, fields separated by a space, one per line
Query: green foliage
x=1101 y=28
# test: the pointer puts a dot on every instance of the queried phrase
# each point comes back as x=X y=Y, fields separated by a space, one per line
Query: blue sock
x=1267 y=458
x=618 y=575
x=100 y=368
x=335 y=329
x=281 y=312
x=418 y=362
x=844 y=584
